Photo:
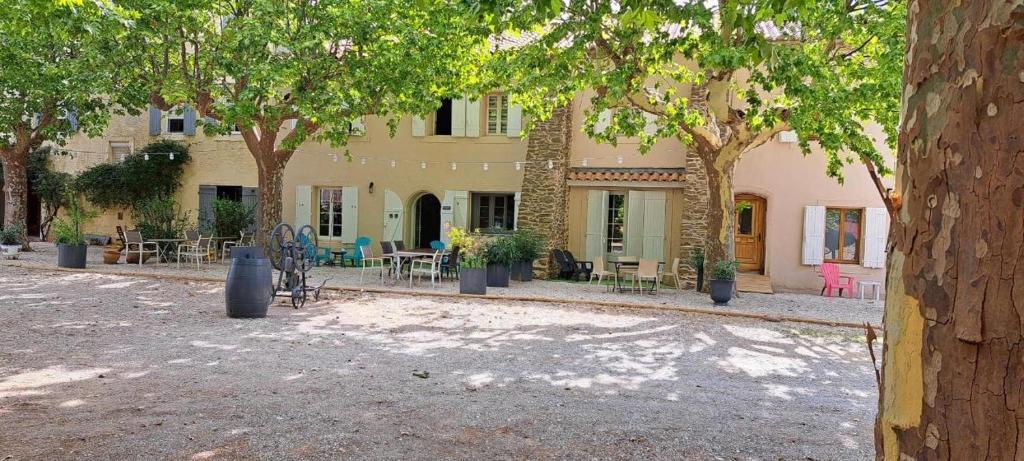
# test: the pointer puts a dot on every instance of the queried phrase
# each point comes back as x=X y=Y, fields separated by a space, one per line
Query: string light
x=485 y=167
x=145 y=157
x=392 y=164
x=551 y=164
x=454 y=166
x=423 y=165
x=334 y=157
x=519 y=166
x=584 y=162
x=171 y=156
x=362 y=161
x=619 y=159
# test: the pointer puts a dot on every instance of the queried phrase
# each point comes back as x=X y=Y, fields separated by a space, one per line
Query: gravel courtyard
x=114 y=367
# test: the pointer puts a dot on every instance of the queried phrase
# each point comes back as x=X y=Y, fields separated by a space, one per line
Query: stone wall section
x=695 y=209
x=544 y=200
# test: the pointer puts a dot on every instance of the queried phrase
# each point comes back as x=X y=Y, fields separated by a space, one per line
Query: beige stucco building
x=467 y=166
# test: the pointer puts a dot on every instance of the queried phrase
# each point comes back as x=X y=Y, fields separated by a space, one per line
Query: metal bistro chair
x=600 y=272
x=135 y=244
x=387 y=251
x=450 y=263
x=202 y=249
x=245 y=239
x=369 y=261
x=675 y=275
x=356 y=256
x=647 y=270
x=430 y=266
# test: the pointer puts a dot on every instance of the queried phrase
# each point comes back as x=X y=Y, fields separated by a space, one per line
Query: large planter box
x=71 y=256
x=522 y=271
x=473 y=281
x=721 y=290
x=497 y=275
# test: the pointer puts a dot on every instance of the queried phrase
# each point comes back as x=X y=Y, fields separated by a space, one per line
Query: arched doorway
x=427 y=213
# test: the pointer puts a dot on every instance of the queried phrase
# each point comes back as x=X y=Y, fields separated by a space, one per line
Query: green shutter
x=597 y=223
x=349 y=214
x=654 y=226
x=635 y=223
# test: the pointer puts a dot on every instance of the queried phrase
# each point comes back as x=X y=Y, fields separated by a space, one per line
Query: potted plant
x=723 y=281
x=71 y=245
x=501 y=253
x=112 y=256
x=10 y=242
x=472 y=262
x=528 y=247
x=697 y=263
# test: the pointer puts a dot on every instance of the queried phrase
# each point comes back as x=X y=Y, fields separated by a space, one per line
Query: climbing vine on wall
x=136 y=179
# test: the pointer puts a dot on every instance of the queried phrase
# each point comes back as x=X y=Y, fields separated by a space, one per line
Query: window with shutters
x=616 y=235
x=175 y=121
x=497 y=114
x=119 y=150
x=443 y=118
x=494 y=212
x=330 y=212
x=843 y=230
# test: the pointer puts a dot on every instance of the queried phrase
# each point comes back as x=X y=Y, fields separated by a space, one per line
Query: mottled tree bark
x=953 y=367
x=719 y=240
x=15 y=166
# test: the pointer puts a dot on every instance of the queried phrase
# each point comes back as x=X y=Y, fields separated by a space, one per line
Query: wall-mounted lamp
x=371 y=187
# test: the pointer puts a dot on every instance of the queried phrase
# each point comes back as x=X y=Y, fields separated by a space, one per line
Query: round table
x=338 y=256
x=163 y=247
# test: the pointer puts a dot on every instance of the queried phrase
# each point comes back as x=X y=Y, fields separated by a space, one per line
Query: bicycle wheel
x=282 y=236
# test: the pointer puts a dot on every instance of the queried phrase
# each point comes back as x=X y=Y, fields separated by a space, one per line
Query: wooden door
x=750 y=217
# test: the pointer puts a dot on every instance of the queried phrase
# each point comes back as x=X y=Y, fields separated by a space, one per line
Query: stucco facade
x=405 y=167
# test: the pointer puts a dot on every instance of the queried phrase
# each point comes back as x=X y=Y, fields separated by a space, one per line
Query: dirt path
x=110 y=367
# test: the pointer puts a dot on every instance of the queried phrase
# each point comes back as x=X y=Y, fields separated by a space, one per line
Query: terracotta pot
x=112 y=257
x=133 y=258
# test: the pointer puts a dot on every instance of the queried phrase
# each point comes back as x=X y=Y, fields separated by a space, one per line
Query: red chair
x=833 y=280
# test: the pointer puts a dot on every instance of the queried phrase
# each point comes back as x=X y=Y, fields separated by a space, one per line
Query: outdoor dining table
x=164 y=246
x=629 y=267
x=409 y=254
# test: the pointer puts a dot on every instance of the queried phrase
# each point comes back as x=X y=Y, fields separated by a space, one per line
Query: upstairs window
x=176 y=121
x=443 y=118
x=497 y=114
x=843 y=229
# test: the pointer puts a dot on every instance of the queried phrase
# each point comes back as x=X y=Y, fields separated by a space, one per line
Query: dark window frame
x=488 y=201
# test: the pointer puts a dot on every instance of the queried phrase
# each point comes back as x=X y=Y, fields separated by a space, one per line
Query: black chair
x=399 y=245
x=450 y=263
x=579 y=268
x=565 y=270
x=387 y=251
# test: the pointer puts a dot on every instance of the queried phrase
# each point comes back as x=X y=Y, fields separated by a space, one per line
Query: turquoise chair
x=437 y=245
x=318 y=255
x=356 y=255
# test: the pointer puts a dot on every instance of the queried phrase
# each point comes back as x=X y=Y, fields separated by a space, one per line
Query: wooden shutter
x=634 y=237
x=349 y=214
x=460 y=209
x=603 y=120
x=189 y=116
x=597 y=223
x=459 y=116
x=472 y=118
x=515 y=120
x=394 y=216
x=419 y=126
x=654 y=226
x=814 y=235
x=875 y=236
x=358 y=127
x=303 y=206
x=515 y=210
x=154 y=121
x=72 y=117
x=251 y=199
x=207 y=194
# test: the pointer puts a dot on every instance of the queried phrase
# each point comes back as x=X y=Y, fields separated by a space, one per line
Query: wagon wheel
x=280 y=238
x=307 y=245
x=298 y=297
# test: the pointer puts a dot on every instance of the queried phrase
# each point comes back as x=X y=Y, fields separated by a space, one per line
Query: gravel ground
x=779 y=304
x=112 y=367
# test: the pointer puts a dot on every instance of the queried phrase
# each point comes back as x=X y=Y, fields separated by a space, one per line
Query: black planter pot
x=473 y=281
x=700 y=278
x=522 y=271
x=71 y=256
x=497 y=275
x=721 y=290
x=249 y=287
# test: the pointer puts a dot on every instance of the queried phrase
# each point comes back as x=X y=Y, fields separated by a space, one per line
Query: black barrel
x=247 y=291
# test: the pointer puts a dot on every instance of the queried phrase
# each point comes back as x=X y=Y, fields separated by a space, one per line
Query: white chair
x=600 y=271
x=430 y=266
x=135 y=244
x=245 y=239
x=647 y=270
x=200 y=250
x=371 y=261
x=675 y=275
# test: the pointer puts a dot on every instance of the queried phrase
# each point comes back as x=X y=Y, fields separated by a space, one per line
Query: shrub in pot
x=10 y=242
x=71 y=244
x=697 y=263
x=723 y=281
x=501 y=253
x=528 y=247
x=472 y=262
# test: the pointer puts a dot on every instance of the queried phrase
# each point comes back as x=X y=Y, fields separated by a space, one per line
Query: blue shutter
x=189 y=115
x=154 y=121
x=251 y=198
x=73 y=120
x=207 y=194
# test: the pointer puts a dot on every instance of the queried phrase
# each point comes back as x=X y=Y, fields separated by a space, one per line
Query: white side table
x=876 y=287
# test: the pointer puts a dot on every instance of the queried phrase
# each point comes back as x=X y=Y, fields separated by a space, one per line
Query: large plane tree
x=723 y=76
x=265 y=66
x=953 y=375
x=61 y=73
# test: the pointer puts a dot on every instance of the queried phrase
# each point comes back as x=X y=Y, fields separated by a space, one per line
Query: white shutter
x=349 y=214
x=472 y=118
x=419 y=126
x=394 y=216
x=603 y=120
x=515 y=211
x=515 y=120
x=654 y=226
x=875 y=236
x=459 y=116
x=597 y=223
x=358 y=127
x=814 y=235
x=460 y=209
x=447 y=206
x=303 y=205
x=651 y=127
x=635 y=223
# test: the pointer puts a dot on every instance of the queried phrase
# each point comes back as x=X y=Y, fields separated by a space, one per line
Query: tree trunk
x=952 y=376
x=271 y=187
x=719 y=241
x=15 y=163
